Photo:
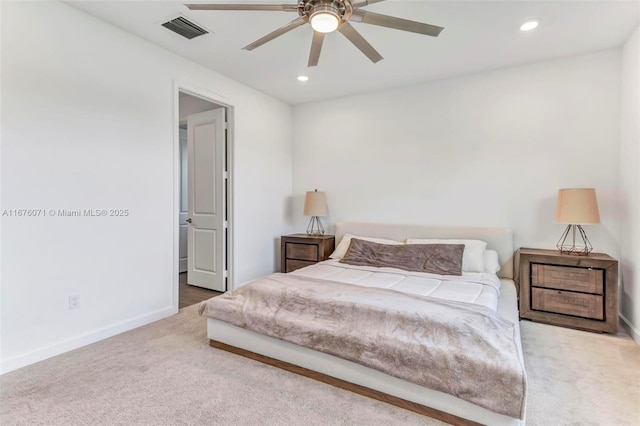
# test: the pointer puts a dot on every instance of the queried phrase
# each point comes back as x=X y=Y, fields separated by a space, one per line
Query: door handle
x=188 y=220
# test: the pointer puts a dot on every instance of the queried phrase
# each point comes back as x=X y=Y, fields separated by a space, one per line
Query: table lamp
x=315 y=205
x=576 y=207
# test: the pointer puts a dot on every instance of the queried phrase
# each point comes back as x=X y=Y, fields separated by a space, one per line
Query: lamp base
x=315 y=226
x=570 y=247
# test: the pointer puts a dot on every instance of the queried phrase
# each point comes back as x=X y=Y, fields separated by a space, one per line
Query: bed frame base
x=342 y=384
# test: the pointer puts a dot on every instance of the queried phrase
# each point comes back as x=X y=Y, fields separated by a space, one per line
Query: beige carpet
x=580 y=378
x=166 y=374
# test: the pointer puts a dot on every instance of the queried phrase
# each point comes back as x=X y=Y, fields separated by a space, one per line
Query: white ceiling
x=478 y=36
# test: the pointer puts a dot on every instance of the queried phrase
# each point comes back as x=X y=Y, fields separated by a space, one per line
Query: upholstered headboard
x=498 y=239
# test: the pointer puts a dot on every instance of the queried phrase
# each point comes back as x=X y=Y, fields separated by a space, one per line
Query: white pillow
x=491 y=262
x=473 y=256
x=342 y=248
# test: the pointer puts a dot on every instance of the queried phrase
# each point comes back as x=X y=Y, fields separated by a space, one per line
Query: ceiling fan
x=326 y=16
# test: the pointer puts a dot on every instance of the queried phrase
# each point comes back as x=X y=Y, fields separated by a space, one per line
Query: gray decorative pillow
x=443 y=259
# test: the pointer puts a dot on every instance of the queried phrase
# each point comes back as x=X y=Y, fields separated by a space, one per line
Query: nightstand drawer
x=302 y=251
x=568 y=303
x=292 y=265
x=586 y=280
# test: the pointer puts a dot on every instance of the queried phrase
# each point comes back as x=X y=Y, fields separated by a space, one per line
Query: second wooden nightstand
x=569 y=290
x=300 y=250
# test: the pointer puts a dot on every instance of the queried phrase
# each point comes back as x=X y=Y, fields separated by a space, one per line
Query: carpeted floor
x=166 y=374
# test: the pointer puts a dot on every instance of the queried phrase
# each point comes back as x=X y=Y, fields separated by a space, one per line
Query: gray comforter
x=464 y=350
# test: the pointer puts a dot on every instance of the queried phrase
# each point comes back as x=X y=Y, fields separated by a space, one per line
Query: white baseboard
x=629 y=328
x=7 y=365
x=182 y=266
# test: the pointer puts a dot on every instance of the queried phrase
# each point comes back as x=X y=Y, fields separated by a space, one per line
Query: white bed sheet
x=476 y=288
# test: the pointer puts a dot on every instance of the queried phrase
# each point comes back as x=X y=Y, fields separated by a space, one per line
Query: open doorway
x=204 y=225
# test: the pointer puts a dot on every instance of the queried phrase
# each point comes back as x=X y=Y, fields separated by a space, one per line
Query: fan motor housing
x=341 y=8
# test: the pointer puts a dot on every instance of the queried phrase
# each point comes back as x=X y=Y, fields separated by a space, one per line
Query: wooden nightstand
x=568 y=290
x=300 y=250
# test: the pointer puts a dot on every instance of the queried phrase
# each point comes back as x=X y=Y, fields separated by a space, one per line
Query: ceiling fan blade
x=316 y=47
x=275 y=7
x=354 y=37
x=362 y=3
x=395 y=23
x=277 y=33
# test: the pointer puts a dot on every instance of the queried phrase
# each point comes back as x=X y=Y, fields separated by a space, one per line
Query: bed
x=472 y=291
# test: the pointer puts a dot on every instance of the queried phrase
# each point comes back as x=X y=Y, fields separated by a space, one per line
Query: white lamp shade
x=315 y=204
x=577 y=206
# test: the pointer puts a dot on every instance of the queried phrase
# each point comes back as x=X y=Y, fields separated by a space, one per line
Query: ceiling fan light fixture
x=324 y=18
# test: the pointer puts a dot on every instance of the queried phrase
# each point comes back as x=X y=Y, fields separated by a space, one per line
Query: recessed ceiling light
x=303 y=78
x=530 y=25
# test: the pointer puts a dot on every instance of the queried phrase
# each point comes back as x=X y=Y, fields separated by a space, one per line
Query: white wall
x=191 y=105
x=630 y=186
x=88 y=122
x=488 y=149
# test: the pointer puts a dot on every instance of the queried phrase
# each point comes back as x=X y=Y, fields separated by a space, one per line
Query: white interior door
x=206 y=151
x=184 y=202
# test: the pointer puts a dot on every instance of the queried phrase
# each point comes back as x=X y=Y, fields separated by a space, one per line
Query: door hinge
x=225 y=224
x=225 y=274
x=226 y=125
x=225 y=175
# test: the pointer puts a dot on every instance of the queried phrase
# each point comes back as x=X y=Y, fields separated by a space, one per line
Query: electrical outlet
x=74 y=301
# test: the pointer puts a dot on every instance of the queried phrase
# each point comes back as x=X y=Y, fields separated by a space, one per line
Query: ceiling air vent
x=184 y=27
